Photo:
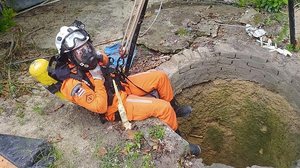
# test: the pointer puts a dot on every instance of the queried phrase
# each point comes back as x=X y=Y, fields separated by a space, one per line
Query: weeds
x=182 y=32
x=282 y=34
x=138 y=136
x=157 y=132
x=267 y=5
x=38 y=109
x=290 y=47
x=111 y=158
x=127 y=155
x=54 y=154
x=6 y=21
x=1 y=88
x=147 y=161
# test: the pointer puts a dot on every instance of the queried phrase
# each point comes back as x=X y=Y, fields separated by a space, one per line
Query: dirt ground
x=77 y=133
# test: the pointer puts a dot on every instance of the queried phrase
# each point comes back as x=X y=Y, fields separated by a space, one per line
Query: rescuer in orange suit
x=88 y=86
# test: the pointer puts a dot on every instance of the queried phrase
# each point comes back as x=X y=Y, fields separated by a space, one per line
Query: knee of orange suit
x=169 y=116
x=161 y=74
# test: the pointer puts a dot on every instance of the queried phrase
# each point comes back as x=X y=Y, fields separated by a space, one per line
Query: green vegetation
x=138 y=137
x=182 y=32
x=147 y=161
x=112 y=158
x=282 y=34
x=6 y=21
x=296 y=48
x=267 y=5
x=56 y=153
x=20 y=114
x=38 y=109
x=127 y=154
x=1 y=88
x=157 y=132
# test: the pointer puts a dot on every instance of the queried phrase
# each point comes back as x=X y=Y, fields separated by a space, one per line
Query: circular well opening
x=239 y=123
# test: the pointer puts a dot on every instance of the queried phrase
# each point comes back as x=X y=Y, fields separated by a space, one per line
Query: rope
x=152 y=21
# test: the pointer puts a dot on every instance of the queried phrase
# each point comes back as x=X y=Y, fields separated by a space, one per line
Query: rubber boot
x=181 y=111
x=195 y=149
x=178 y=132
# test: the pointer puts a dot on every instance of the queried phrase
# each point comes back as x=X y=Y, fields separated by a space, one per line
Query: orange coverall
x=137 y=107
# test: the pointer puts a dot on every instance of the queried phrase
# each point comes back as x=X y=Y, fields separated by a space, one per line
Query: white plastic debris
x=255 y=32
x=260 y=35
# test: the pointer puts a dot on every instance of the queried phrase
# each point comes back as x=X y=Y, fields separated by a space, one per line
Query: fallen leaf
x=130 y=134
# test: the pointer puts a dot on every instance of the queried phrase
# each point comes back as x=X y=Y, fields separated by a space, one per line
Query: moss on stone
x=262 y=138
x=241 y=124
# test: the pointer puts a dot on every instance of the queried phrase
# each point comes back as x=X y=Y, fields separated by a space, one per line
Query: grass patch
x=182 y=32
x=127 y=154
x=57 y=156
x=138 y=137
x=112 y=158
x=282 y=34
x=292 y=48
x=147 y=161
x=157 y=132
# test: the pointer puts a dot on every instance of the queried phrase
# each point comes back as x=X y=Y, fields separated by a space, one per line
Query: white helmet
x=70 y=38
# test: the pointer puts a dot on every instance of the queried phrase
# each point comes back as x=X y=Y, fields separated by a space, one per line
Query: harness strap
x=54 y=87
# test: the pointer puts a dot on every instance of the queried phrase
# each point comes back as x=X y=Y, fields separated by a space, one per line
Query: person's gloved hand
x=97 y=73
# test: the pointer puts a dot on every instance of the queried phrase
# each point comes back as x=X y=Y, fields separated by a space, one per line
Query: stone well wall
x=240 y=61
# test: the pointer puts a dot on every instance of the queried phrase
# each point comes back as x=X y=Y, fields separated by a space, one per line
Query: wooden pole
x=292 y=22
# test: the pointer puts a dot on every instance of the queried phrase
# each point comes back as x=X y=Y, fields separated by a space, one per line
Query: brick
x=188 y=53
x=178 y=59
x=225 y=61
x=290 y=93
x=196 y=55
x=210 y=62
x=203 y=51
x=214 y=69
x=240 y=63
x=259 y=59
x=271 y=69
x=184 y=68
x=256 y=65
x=240 y=55
x=243 y=72
x=231 y=55
x=196 y=64
x=168 y=67
x=227 y=72
x=175 y=77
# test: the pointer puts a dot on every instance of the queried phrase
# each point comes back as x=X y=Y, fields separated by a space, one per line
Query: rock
x=174 y=146
x=248 y=16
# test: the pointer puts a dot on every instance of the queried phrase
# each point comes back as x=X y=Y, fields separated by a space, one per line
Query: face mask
x=85 y=56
